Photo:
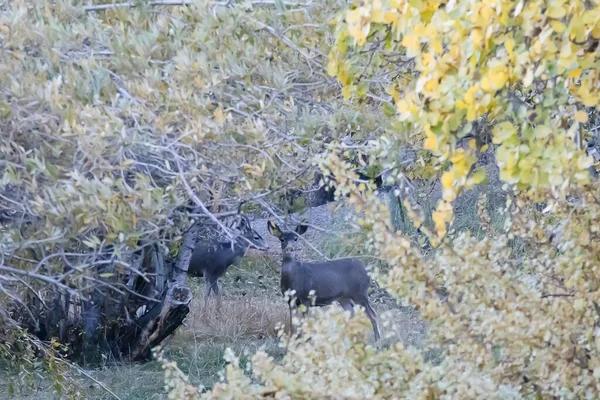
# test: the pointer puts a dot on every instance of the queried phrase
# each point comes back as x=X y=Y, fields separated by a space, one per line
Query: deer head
x=287 y=238
x=249 y=235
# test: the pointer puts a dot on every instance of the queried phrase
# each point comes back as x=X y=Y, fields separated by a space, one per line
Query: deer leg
x=373 y=317
x=296 y=303
x=216 y=291
x=347 y=306
x=364 y=301
x=207 y=289
x=304 y=311
x=292 y=327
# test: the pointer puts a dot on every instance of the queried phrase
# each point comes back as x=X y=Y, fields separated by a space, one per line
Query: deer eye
x=296 y=239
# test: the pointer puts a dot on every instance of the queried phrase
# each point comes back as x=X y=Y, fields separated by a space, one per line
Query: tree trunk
x=162 y=320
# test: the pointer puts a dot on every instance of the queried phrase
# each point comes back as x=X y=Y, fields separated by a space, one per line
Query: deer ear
x=300 y=229
x=244 y=223
x=273 y=229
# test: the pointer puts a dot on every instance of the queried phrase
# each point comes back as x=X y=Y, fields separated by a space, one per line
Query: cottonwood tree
x=510 y=322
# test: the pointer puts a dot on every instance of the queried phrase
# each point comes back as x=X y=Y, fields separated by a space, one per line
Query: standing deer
x=212 y=261
x=344 y=280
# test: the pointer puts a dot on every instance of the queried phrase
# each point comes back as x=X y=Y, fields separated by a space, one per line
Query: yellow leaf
x=391 y=17
x=509 y=45
x=377 y=17
x=558 y=26
x=461 y=105
x=332 y=66
x=486 y=14
x=447 y=179
x=556 y=12
x=581 y=116
x=441 y=216
x=346 y=92
x=479 y=176
x=575 y=73
x=497 y=77
x=343 y=75
x=436 y=45
x=219 y=114
x=394 y=93
x=484 y=148
x=411 y=42
x=357 y=26
x=476 y=36
x=486 y=84
x=431 y=86
x=431 y=141
x=471 y=113
x=542 y=131
x=469 y=95
x=457 y=157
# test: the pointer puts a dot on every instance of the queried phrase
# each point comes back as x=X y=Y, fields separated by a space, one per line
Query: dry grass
x=401 y=325
x=240 y=318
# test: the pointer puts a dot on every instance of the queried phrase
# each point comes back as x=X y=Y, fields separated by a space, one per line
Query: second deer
x=212 y=261
x=344 y=280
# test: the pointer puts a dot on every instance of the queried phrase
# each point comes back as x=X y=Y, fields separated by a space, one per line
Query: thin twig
x=546 y=295
x=100 y=7
x=38 y=277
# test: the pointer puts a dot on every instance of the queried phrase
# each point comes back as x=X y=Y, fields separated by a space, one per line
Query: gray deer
x=212 y=261
x=344 y=280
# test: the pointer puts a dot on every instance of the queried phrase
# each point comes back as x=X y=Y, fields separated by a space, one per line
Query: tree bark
x=185 y=253
x=162 y=321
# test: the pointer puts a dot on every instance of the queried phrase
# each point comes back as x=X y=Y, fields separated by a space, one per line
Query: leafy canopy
x=529 y=69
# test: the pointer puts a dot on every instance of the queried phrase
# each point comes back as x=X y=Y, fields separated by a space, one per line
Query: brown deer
x=344 y=280
x=212 y=261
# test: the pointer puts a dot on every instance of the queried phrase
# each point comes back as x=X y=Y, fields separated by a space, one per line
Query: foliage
x=24 y=359
x=527 y=68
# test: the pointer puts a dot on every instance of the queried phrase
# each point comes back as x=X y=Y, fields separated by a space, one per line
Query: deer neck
x=288 y=262
x=287 y=271
x=240 y=246
x=288 y=258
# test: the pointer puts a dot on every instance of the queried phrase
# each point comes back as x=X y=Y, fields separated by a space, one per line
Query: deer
x=344 y=280
x=212 y=261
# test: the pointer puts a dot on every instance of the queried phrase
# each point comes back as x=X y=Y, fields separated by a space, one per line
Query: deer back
x=214 y=259
x=332 y=280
